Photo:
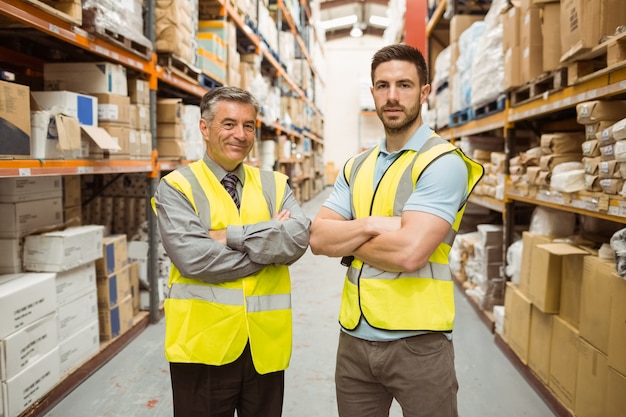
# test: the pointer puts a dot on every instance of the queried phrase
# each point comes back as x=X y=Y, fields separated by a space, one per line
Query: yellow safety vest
x=211 y=323
x=416 y=300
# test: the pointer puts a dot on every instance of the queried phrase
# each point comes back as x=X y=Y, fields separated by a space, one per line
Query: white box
x=86 y=77
x=138 y=251
x=63 y=250
x=24 y=299
x=25 y=217
x=81 y=106
x=77 y=348
x=24 y=389
x=15 y=189
x=74 y=315
x=76 y=282
x=25 y=346
x=11 y=256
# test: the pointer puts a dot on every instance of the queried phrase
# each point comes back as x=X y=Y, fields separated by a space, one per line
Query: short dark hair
x=211 y=99
x=401 y=52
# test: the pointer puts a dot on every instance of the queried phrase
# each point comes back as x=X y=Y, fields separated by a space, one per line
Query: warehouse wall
x=347 y=62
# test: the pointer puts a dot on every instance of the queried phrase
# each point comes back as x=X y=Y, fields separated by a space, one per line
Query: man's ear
x=424 y=93
x=204 y=128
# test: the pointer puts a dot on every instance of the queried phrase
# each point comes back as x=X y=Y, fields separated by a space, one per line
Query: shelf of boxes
x=555 y=346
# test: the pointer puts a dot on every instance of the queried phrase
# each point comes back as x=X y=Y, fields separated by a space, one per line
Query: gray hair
x=211 y=99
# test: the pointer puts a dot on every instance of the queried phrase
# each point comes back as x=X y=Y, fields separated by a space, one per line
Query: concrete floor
x=136 y=381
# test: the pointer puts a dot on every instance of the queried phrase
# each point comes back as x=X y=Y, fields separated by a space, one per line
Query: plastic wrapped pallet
x=487 y=81
x=462 y=89
x=123 y=18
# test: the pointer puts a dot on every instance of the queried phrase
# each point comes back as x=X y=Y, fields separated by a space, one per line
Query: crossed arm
x=395 y=244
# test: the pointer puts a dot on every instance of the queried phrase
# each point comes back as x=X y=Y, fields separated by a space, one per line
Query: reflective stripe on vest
x=212 y=323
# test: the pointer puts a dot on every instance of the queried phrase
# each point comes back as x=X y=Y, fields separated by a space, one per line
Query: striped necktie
x=230 y=184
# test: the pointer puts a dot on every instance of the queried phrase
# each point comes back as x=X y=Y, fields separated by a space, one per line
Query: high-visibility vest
x=415 y=300
x=211 y=323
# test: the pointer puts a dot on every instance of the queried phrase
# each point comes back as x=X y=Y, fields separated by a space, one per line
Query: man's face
x=230 y=136
x=398 y=95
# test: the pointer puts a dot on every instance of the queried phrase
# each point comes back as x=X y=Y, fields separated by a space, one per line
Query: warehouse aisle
x=135 y=383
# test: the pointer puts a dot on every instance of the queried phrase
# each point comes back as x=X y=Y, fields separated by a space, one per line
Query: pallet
x=143 y=50
x=546 y=83
x=489 y=108
x=208 y=82
x=68 y=12
x=608 y=56
x=461 y=117
x=178 y=66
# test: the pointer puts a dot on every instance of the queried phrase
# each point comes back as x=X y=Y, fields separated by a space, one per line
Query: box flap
x=101 y=138
x=562 y=249
x=68 y=130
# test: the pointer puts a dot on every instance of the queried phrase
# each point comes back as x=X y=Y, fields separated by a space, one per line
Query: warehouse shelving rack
x=540 y=112
x=64 y=30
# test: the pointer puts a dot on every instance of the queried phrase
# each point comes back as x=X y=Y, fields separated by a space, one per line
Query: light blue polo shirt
x=440 y=190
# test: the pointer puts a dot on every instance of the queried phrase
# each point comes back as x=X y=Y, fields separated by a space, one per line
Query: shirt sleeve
x=441 y=189
x=339 y=200
x=187 y=242
x=273 y=242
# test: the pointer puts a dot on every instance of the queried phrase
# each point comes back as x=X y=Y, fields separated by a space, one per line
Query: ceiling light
x=379 y=21
x=356 y=31
x=339 y=21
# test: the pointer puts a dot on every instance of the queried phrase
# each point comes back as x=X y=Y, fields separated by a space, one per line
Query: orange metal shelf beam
x=31 y=167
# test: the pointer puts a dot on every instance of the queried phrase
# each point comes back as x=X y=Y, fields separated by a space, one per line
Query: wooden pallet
x=66 y=11
x=489 y=107
x=609 y=56
x=461 y=117
x=143 y=50
x=178 y=66
x=546 y=83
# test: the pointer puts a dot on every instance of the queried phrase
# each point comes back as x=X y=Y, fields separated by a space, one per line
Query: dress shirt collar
x=220 y=172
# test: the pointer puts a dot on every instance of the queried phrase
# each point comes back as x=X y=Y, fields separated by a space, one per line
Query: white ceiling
x=332 y=9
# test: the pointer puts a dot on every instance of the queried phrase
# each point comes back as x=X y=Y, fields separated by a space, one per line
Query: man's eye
x=228 y=126
x=249 y=128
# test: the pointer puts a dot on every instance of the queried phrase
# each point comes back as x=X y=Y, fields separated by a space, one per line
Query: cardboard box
x=81 y=106
x=615 y=398
x=24 y=389
x=63 y=250
x=540 y=345
x=14 y=119
x=172 y=148
x=571 y=283
x=141 y=114
x=75 y=283
x=97 y=143
x=170 y=131
x=510 y=21
x=113 y=108
x=15 y=189
x=551 y=34
x=25 y=217
x=86 y=77
x=145 y=144
x=114 y=255
x=24 y=299
x=72 y=195
x=22 y=348
x=591 y=382
x=564 y=361
x=600 y=110
x=114 y=288
x=517 y=316
x=121 y=136
x=11 y=259
x=73 y=316
x=617 y=325
x=512 y=65
x=550 y=261
x=595 y=302
x=459 y=23
x=139 y=91
x=117 y=320
x=170 y=110
x=77 y=348
x=55 y=136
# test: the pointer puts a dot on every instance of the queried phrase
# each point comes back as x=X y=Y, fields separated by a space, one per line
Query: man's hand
x=282 y=215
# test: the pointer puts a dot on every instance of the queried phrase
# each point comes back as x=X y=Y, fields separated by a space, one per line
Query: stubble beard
x=396 y=127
